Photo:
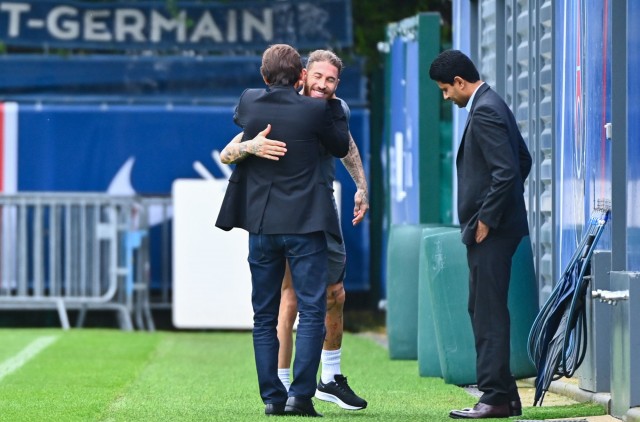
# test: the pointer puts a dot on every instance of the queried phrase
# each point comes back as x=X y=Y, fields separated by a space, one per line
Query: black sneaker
x=340 y=393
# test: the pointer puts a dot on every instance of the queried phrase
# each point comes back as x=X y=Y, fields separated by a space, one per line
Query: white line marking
x=14 y=363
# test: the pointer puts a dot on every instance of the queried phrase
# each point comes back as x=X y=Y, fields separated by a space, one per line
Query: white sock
x=330 y=365
x=285 y=377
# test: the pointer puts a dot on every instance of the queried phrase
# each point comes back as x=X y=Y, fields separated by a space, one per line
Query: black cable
x=557 y=341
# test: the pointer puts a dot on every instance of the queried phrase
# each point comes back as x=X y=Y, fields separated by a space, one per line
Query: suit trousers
x=307 y=256
x=489 y=276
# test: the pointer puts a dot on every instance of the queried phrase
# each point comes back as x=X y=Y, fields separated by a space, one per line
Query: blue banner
x=142 y=149
x=163 y=25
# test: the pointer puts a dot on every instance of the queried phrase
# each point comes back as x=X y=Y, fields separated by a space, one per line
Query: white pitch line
x=15 y=362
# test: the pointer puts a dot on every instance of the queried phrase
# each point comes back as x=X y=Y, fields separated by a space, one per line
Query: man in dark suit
x=286 y=211
x=320 y=81
x=492 y=164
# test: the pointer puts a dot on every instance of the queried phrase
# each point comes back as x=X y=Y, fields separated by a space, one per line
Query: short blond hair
x=325 y=56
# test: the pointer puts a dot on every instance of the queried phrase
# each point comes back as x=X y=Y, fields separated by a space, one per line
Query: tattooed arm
x=353 y=163
x=260 y=146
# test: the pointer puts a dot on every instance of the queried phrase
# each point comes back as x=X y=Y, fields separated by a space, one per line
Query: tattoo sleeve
x=353 y=163
x=235 y=151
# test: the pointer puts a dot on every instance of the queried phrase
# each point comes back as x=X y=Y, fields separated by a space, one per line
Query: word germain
x=148 y=26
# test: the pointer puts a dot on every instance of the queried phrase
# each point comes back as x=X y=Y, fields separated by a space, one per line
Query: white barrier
x=211 y=278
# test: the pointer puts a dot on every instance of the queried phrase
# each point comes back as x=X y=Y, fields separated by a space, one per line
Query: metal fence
x=82 y=251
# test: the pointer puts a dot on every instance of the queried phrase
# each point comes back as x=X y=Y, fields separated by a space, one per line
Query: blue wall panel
x=583 y=101
x=403 y=142
x=633 y=141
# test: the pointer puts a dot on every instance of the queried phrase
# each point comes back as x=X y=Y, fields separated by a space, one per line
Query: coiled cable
x=558 y=338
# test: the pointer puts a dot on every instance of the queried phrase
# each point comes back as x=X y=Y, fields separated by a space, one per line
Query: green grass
x=110 y=375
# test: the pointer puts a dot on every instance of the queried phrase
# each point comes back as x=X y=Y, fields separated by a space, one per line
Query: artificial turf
x=111 y=375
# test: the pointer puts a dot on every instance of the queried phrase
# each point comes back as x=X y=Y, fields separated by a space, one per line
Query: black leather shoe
x=300 y=407
x=515 y=408
x=274 y=409
x=482 y=411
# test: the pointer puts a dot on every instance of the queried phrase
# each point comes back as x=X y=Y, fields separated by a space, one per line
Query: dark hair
x=452 y=63
x=281 y=65
x=325 y=56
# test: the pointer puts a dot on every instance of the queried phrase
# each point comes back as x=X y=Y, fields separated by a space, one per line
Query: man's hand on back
x=263 y=147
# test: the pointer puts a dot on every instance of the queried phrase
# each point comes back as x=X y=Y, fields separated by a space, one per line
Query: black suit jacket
x=286 y=196
x=492 y=164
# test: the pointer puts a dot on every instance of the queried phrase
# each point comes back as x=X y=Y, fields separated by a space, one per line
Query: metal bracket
x=610 y=297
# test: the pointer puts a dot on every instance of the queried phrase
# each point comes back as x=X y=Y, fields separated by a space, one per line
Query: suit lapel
x=484 y=88
x=466 y=125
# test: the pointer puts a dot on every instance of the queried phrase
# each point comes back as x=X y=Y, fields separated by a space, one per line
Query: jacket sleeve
x=525 y=159
x=490 y=129
x=238 y=114
x=334 y=134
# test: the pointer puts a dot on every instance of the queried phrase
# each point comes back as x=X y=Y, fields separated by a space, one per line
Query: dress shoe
x=274 y=409
x=515 y=408
x=300 y=407
x=482 y=411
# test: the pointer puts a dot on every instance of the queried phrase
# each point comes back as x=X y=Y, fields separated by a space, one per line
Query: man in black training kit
x=286 y=212
x=492 y=165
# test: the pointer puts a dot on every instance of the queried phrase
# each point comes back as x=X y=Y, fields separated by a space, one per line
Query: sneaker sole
x=333 y=399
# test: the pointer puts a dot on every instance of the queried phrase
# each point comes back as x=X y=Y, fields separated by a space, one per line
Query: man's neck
x=473 y=88
x=474 y=85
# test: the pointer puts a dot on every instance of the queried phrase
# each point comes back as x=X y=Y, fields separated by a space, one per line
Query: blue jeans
x=307 y=256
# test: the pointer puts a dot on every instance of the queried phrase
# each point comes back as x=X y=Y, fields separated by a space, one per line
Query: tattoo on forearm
x=364 y=197
x=234 y=153
x=353 y=163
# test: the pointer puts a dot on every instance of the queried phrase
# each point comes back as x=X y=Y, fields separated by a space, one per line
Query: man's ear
x=303 y=75
x=458 y=80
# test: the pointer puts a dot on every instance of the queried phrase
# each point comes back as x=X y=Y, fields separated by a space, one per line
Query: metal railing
x=79 y=251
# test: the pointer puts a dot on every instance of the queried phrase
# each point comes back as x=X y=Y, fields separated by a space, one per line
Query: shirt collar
x=470 y=102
